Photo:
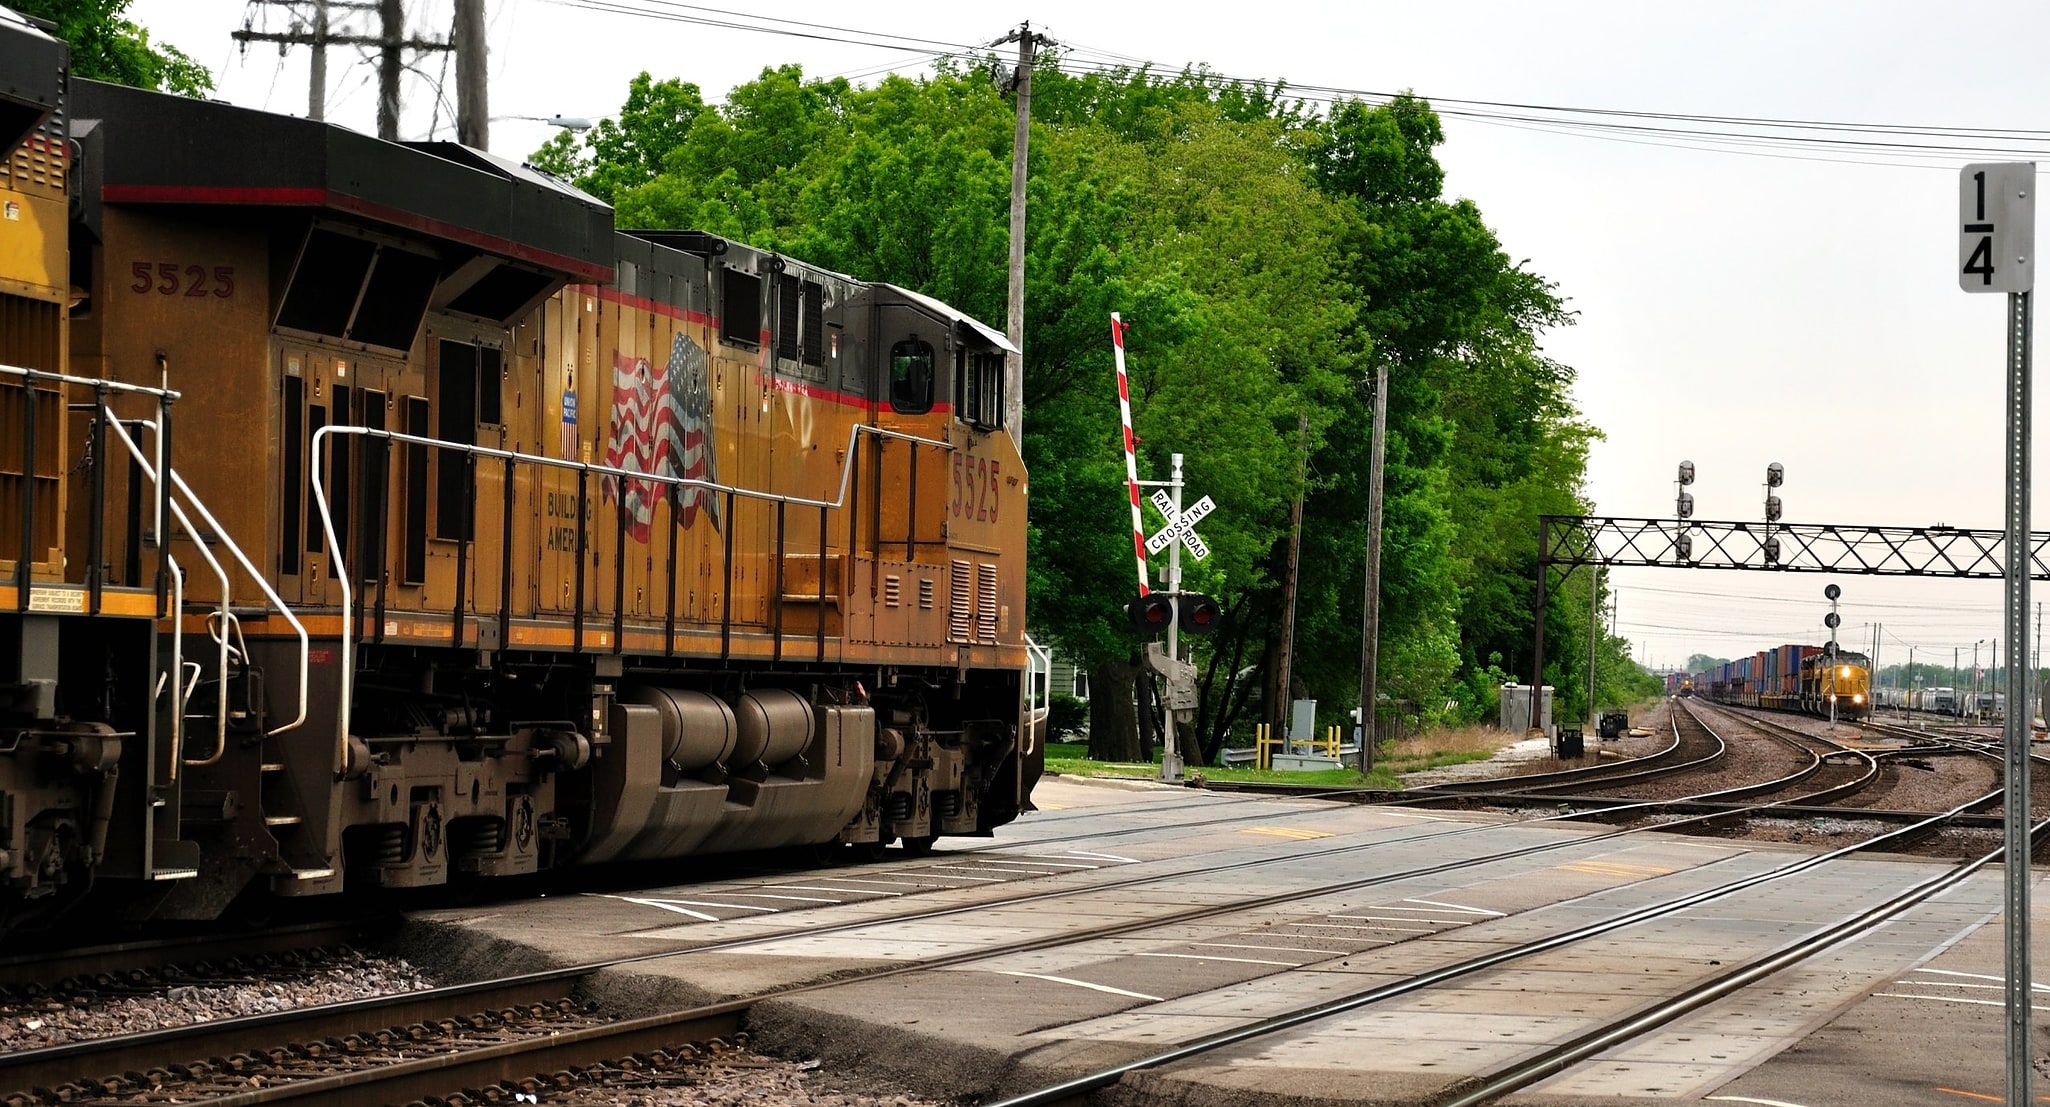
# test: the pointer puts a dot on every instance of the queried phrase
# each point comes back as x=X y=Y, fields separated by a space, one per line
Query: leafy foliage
x=107 y=47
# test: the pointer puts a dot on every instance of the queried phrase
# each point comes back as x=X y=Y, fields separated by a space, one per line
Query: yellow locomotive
x=1814 y=680
x=488 y=539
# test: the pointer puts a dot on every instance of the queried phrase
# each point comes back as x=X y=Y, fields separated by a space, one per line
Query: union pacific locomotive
x=1808 y=679
x=377 y=515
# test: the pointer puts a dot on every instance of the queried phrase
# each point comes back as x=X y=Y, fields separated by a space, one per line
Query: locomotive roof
x=954 y=315
x=32 y=66
x=166 y=149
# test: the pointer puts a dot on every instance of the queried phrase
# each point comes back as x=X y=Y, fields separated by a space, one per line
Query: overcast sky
x=1734 y=308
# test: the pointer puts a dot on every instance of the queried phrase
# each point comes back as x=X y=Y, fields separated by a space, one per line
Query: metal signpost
x=1997 y=236
x=1179 y=532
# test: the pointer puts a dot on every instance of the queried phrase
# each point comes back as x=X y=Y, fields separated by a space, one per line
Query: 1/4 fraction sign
x=1997 y=227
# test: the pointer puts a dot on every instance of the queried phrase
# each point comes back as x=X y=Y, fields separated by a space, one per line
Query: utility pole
x=1014 y=319
x=316 y=86
x=1370 y=630
x=391 y=41
x=1277 y=706
x=473 y=109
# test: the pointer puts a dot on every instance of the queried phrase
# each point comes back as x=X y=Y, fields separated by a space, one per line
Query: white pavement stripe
x=792 y=899
x=1982 y=976
x=1079 y=984
x=861 y=880
x=666 y=907
x=1027 y=858
x=1956 y=999
x=712 y=903
x=842 y=891
x=1270 y=949
x=1207 y=957
x=1404 y=919
x=1349 y=926
x=1101 y=856
x=937 y=875
x=1457 y=907
x=1748 y=1099
x=1021 y=868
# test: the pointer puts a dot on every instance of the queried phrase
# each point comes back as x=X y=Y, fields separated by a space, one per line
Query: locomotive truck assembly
x=376 y=514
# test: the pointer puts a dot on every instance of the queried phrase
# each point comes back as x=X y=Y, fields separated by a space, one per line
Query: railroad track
x=395 y=1049
x=1608 y=1033
x=182 y=959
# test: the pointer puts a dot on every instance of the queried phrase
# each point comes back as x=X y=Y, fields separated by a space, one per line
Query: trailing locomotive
x=376 y=515
x=1808 y=679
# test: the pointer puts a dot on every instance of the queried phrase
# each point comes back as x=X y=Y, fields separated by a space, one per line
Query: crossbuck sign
x=1180 y=528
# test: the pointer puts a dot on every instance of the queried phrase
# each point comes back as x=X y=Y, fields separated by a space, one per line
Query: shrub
x=1066 y=717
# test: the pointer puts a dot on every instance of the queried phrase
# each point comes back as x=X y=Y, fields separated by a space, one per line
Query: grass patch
x=1405 y=755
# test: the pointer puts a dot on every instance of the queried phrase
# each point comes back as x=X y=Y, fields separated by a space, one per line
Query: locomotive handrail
x=276 y=601
x=178 y=617
x=100 y=386
x=340 y=572
x=90 y=382
x=1034 y=713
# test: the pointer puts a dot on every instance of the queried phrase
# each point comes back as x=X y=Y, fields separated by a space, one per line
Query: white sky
x=1733 y=310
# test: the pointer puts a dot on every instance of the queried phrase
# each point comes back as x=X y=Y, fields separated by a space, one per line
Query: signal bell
x=1150 y=614
x=1197 y=613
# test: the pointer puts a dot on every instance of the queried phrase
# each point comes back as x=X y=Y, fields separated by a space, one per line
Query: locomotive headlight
x=1843 y=672
x=1859 y=698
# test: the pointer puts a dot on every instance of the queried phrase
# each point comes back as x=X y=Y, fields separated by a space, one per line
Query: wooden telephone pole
x=1014 y=323
x=392 y=43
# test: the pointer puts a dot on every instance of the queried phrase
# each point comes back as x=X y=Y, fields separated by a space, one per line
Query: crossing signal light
x=1197 y=613
x=1151 y=614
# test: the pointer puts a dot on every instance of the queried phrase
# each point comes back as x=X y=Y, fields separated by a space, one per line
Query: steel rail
x=1082 y=1085
x=1585 y=773
x=61 y=1064
x=1557 y=1058
x=53 y=966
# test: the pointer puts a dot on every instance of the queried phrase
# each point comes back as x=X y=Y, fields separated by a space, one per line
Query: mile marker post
x=1997 y=238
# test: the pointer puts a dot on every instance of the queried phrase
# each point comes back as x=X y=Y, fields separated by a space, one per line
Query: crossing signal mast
x=1173 y=610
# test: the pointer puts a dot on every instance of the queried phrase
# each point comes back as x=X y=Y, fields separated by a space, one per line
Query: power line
x=1828 y=141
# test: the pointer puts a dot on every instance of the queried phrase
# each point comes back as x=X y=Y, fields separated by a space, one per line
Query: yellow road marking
x=1296 y=833
x=1615 y=868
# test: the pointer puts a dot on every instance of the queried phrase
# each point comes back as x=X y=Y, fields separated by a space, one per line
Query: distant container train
x=1807 y=679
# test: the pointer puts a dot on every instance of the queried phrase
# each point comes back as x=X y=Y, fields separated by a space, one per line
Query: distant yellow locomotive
x=376 y=515
x=1808 y=679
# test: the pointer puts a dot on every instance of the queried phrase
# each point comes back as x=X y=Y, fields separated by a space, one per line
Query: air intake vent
x=925 y=594
x=960 y=602
x=985 y=603
x=893 y=591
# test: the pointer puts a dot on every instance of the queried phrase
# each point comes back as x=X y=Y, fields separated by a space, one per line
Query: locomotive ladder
x=174 y=500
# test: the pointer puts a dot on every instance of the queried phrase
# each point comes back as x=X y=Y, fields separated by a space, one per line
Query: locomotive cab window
x=740 y=308
x=911 y=377
x=979 y=388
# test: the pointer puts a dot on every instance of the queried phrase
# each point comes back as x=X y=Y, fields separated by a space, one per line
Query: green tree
x=107 y=47
x=1267 y=259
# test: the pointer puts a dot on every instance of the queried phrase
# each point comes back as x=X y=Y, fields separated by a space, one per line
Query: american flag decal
x=662 y=425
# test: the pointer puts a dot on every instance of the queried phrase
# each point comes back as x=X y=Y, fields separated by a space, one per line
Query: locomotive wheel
x=919 y=846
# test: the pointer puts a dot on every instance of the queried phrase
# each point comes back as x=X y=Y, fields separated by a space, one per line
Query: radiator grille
x=960 y=602
x=985 y=603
